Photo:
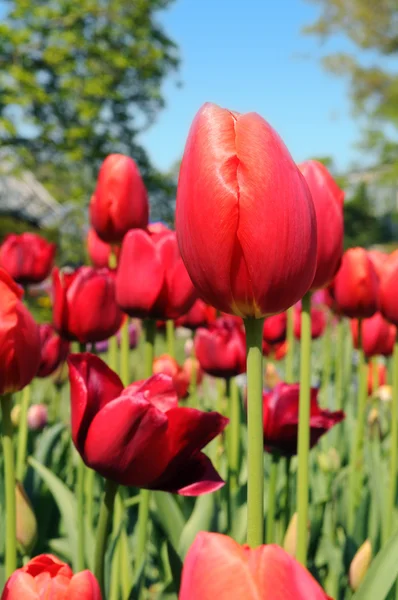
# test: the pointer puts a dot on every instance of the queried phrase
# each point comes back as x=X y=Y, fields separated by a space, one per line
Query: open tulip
x=274 y=330
x=356 y=285
x=245 y=219
x=328 y=201
x=218 y=567
x=45 y=576
x=120 y=200
x=281 y=417
x=85 y=306
x=28 y=258
x=138 y=435
x=152 y=281
x=199 y=315
x=54 y=350
x=19 y=338
x=99 y=251
x=378 y=336
x=389 y=289
x=221 y=348
x=318 y=322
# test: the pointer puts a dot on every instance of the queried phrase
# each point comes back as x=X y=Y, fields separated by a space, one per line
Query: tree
x=372 y=26
x=79 y=80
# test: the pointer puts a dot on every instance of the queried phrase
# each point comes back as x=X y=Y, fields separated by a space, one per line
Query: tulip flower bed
x=148 y=450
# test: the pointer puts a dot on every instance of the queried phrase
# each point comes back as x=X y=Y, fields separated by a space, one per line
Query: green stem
x=193 y=399
x=125 y=354
x=375 y=374
x=303 y=448
x=287 y=493
x=289 y=375
x=149 y=346
x=234 y=437
x=339 y=364
x=170 y=338
x=393 y=443
x=9 y=482
x=81 y=468
x=273 y=477
x=327 y=354
x=255 y=434
x=23 y=433
x=356 y=452
x=116 y=564
x=89 y=487
x=112 y=353
x=103 y=528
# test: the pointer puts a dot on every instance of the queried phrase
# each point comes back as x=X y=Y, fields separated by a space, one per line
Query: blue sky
x=250 y=55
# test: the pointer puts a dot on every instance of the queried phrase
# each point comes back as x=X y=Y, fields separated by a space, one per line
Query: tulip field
x=208 y=411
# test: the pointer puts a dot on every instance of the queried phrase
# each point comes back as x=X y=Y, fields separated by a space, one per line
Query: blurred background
x=79 y=80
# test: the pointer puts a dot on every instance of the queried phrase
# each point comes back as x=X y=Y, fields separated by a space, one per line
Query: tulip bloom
x=274 y=330
x=373 y=383
x=28 y=258
x=199 y=315
x=275 y=351
x=151 y=280
x=181 y=376
x=379 y=260
x=45 y=576
x=217 y=567
x=378 y=336
x=245 y=220
x=54 y=350
x=389 y=289
x=221 y=348
x=19 y=338
x=85 y=306
x=318 y=322
x=120 y=200
x=355 y=287
x=328 y=201
x=281 y=417
x=138 y=435
x=99 y=251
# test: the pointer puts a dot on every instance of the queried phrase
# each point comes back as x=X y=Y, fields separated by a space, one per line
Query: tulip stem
x=80 y=514
x=89 y=489
x=356 y=451
x=327 y=355
x=116 y=560
x=23 y=433
x=193 y=400
x=393 y=442
x=149 y=346
x=339 y=364
x=9 y=481
x=273 y=476
x=303 y=446
x=289 y=374
x=103 y=529
x=112 y=353
x=234 y=436
x=170 y=338
x=255 y=433
x=125 y=354
x=375 y=374
x=287 y=493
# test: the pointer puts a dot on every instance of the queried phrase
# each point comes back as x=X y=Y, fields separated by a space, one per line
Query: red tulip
x=378 y=336
x=217 y=567
x=245 y=220
x=120 y=201
x=379 y=260
x=328 y=201
x=157 y=227
x=139 y=436
x=318 y=322
x=54 y=350
x=28 y=258
x=99 y=251
x=389 y=289
x=221 y=348
x=199 y=315
x=151 y=280
x=356 y=285
x=281 y=417
x=381 y=377
x=45 y=576
x=85 y=306
x=19 y=338
x=167 y=365
x=274 y=330
x=275 y=351
x=322 y=298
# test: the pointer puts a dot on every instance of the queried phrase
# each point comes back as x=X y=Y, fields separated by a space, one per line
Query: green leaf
x=201 y=519
x=62 y=548
x=169 y=517
x=382 y=573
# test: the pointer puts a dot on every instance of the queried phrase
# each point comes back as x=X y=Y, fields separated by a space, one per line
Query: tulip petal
x=84 y=586
x=158 y=390
x=20 y=586
x=196 y=476
x=93 y=385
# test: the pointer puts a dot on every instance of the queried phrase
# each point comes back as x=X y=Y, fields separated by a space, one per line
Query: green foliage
x=361 y=227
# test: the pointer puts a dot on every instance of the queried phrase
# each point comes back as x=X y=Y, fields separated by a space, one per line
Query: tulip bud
x=16 y=415
x=359 y=565
x=37 y=417
x=290 y=539
x=26 y=520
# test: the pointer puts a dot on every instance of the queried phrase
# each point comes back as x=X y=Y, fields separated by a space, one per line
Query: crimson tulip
x=389 y=289
x=379 y=260
x=54 y=350
x=19 y=338
x=138 y=435
x=378 y=336
x=152 y=281
x=168 y=365
x=218 y=567
x=199 y=315
x=245 y=219
x=328 y=201
x=274 y=330
x=28 y=258
x=318 y=322
x=85 y=306
x=356 y=285
x=99 y=251
x=281 y=417
x=45 y=576
x=275 y=351
x=120 y=200
x=221 y=348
